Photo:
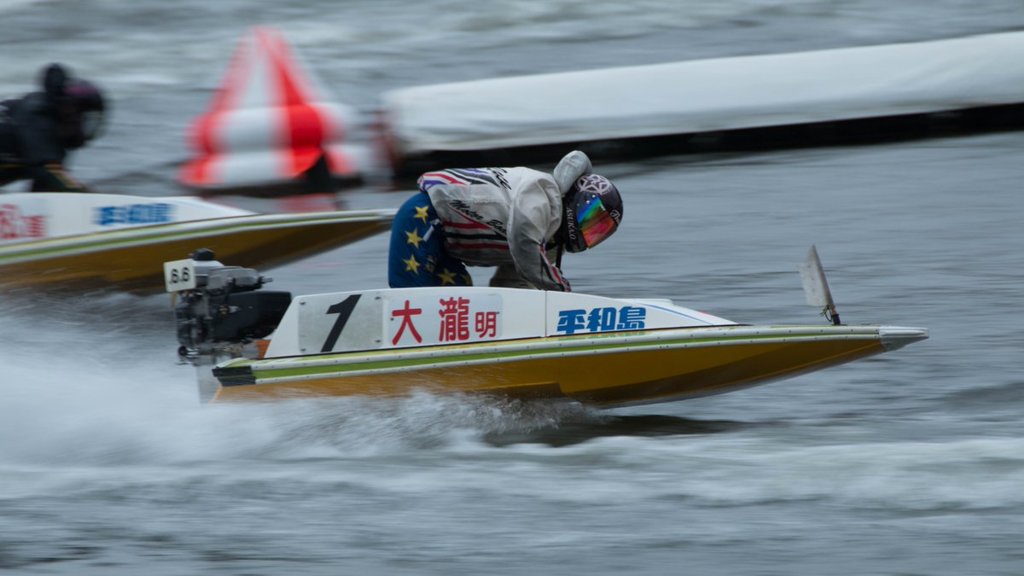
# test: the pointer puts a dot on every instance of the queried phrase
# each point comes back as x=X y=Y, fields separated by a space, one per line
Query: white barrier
x=707 y=95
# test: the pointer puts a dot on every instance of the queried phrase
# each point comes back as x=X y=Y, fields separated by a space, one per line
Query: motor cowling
x=227 y=307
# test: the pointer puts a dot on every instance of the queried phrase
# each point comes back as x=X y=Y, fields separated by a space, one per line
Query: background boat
x=70 y=242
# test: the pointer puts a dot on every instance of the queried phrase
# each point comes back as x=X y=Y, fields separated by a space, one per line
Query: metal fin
x=816 y=286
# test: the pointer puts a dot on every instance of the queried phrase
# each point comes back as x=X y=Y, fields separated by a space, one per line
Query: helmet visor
x=594 y=222
x=92 y=124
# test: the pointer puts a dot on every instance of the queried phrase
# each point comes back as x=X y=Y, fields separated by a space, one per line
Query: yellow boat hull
x=132 y=259
x=611 y=370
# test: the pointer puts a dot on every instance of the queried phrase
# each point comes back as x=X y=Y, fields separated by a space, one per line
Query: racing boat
x=252 y=344
x=75 y=241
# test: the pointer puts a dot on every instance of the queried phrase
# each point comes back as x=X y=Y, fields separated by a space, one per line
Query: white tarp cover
x=708 y=95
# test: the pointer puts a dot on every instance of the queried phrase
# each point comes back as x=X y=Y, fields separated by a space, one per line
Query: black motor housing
x=252 y=315
x=226 y=307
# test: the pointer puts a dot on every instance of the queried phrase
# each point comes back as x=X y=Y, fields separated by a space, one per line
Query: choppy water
x=908 y=463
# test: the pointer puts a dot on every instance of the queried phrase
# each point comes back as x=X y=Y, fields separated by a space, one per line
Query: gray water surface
x=907 y=463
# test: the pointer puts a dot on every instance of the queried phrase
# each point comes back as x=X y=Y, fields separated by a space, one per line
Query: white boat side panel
x=344 y=321
x=34 y=216
x=400 y=318
x=687 y=315
x=709 y=95
x=416 y=317
x=572 y=313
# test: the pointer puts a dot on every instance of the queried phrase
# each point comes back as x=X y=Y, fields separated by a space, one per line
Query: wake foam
x=94 y=381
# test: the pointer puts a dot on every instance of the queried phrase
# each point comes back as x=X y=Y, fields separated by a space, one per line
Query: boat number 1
x=344 y=310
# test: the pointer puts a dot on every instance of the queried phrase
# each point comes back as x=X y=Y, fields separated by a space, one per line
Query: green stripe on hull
x=334 y=365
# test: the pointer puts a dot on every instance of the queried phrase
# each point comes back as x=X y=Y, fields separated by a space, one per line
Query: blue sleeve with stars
x=417 y=256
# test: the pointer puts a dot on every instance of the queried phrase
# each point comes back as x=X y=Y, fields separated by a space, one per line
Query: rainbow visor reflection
x=594 y=222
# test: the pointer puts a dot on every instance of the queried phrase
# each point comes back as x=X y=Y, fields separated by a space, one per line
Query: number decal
x=344 y=310
x=179 y=275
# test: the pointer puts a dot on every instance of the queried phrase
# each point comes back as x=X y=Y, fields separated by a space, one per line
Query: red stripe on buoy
x=302 y=129
x=283 y=118
x=205 y=131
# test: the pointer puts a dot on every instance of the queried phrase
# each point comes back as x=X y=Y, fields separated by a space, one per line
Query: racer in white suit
x=517 y=219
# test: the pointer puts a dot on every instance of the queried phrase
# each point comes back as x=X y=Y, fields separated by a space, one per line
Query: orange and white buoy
x=269 y=127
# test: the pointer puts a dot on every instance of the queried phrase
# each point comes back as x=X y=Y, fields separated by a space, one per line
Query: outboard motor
x=225 y=310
